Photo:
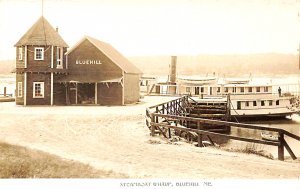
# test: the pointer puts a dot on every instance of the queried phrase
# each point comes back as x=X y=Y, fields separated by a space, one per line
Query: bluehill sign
x=88 y=62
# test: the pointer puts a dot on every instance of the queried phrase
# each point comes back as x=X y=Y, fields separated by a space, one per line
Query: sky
x=161 y=27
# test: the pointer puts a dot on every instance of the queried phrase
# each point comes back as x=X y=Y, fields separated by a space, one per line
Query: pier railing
x=163 y=117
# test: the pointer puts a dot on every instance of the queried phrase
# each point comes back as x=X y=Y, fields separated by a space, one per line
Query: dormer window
x=20 y=53
x=59 y=57
x=39 y=53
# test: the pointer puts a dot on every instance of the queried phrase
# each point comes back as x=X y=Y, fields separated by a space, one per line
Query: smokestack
x=172 y=78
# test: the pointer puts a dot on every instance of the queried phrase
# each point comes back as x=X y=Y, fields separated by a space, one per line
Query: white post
x=51 y=92
x=25 y=57
x=25 y=88
x=52 y=56
x=96 y=93
x=123 y=86
x=51 y=97
x=66 y=61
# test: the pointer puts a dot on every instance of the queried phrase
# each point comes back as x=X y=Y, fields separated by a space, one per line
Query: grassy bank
x=20 y=162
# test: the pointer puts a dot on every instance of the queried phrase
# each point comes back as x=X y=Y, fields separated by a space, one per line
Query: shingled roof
x=111 y=53
x=42 y=33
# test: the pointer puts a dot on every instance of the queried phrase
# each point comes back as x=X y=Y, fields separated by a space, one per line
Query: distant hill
x=230 y=65
x=6 y=66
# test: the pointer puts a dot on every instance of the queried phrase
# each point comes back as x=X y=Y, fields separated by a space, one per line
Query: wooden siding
x=91 y=72
x=20 y=63
x=46 y=78
x=31 y=63
x=131 y=88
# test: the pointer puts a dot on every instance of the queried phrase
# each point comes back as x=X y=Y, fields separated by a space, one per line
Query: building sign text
x=88 y=62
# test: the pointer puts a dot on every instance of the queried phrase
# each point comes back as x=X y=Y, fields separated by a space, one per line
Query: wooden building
x=92 y=72
x=99 y=74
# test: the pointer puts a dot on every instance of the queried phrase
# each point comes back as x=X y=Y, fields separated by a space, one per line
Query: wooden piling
x=281 y=147
x=200 y=144
x=152 y=126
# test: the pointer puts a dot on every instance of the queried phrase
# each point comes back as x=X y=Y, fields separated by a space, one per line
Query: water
x=290 y=124
x=8 y=81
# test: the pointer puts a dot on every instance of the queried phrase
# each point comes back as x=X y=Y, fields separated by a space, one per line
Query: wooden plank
x=289 y=149
x=292 y=135
x=220 y=134
x=161 y=131
x=200 y=144
x=207 y=115
x=169 y=131
x=225 y=123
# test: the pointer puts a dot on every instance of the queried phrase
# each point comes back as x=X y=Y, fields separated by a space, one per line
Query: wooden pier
x=178 y=115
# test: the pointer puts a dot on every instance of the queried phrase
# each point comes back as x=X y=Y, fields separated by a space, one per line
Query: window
x=254 y=103
x=39 y=53
x=188 y=89
x=20 y=53
x=250 y=89
x=265 y=89
x=257 y=89
x=226 y=89
x=234 y=89
x=202 y=89
x=38 y=89
x=59 y=60
x=247 y=103
x=197 y=90
x=242 y=89
x=20 y=89
x=262 y=103
x=270 y=102
x=218 y=89
x=277 y=102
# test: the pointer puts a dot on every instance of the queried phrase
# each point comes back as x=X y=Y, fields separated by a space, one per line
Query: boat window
x=250 y=89
x=242 y=89
x=266 y=89
x=254 y=103
x=262 y=103
x=238 y=105
x=197 y=90
x=247 y=103
x=258 y=89
x=277 y=102
x=270 y=102
x=202 y=89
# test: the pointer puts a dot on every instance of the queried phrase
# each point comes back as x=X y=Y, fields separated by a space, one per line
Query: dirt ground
x=117 y=139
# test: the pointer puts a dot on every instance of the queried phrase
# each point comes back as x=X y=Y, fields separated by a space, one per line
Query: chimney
x=56 y=29
x=172 y=78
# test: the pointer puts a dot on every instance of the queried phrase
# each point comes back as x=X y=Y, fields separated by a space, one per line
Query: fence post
x=199 y=135
x=156 y=120
x=4 y=92
x=281 y=146
x=152 y=126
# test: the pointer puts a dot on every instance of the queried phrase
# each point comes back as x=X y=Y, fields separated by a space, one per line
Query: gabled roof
x=111 y=53
x=42 y=33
